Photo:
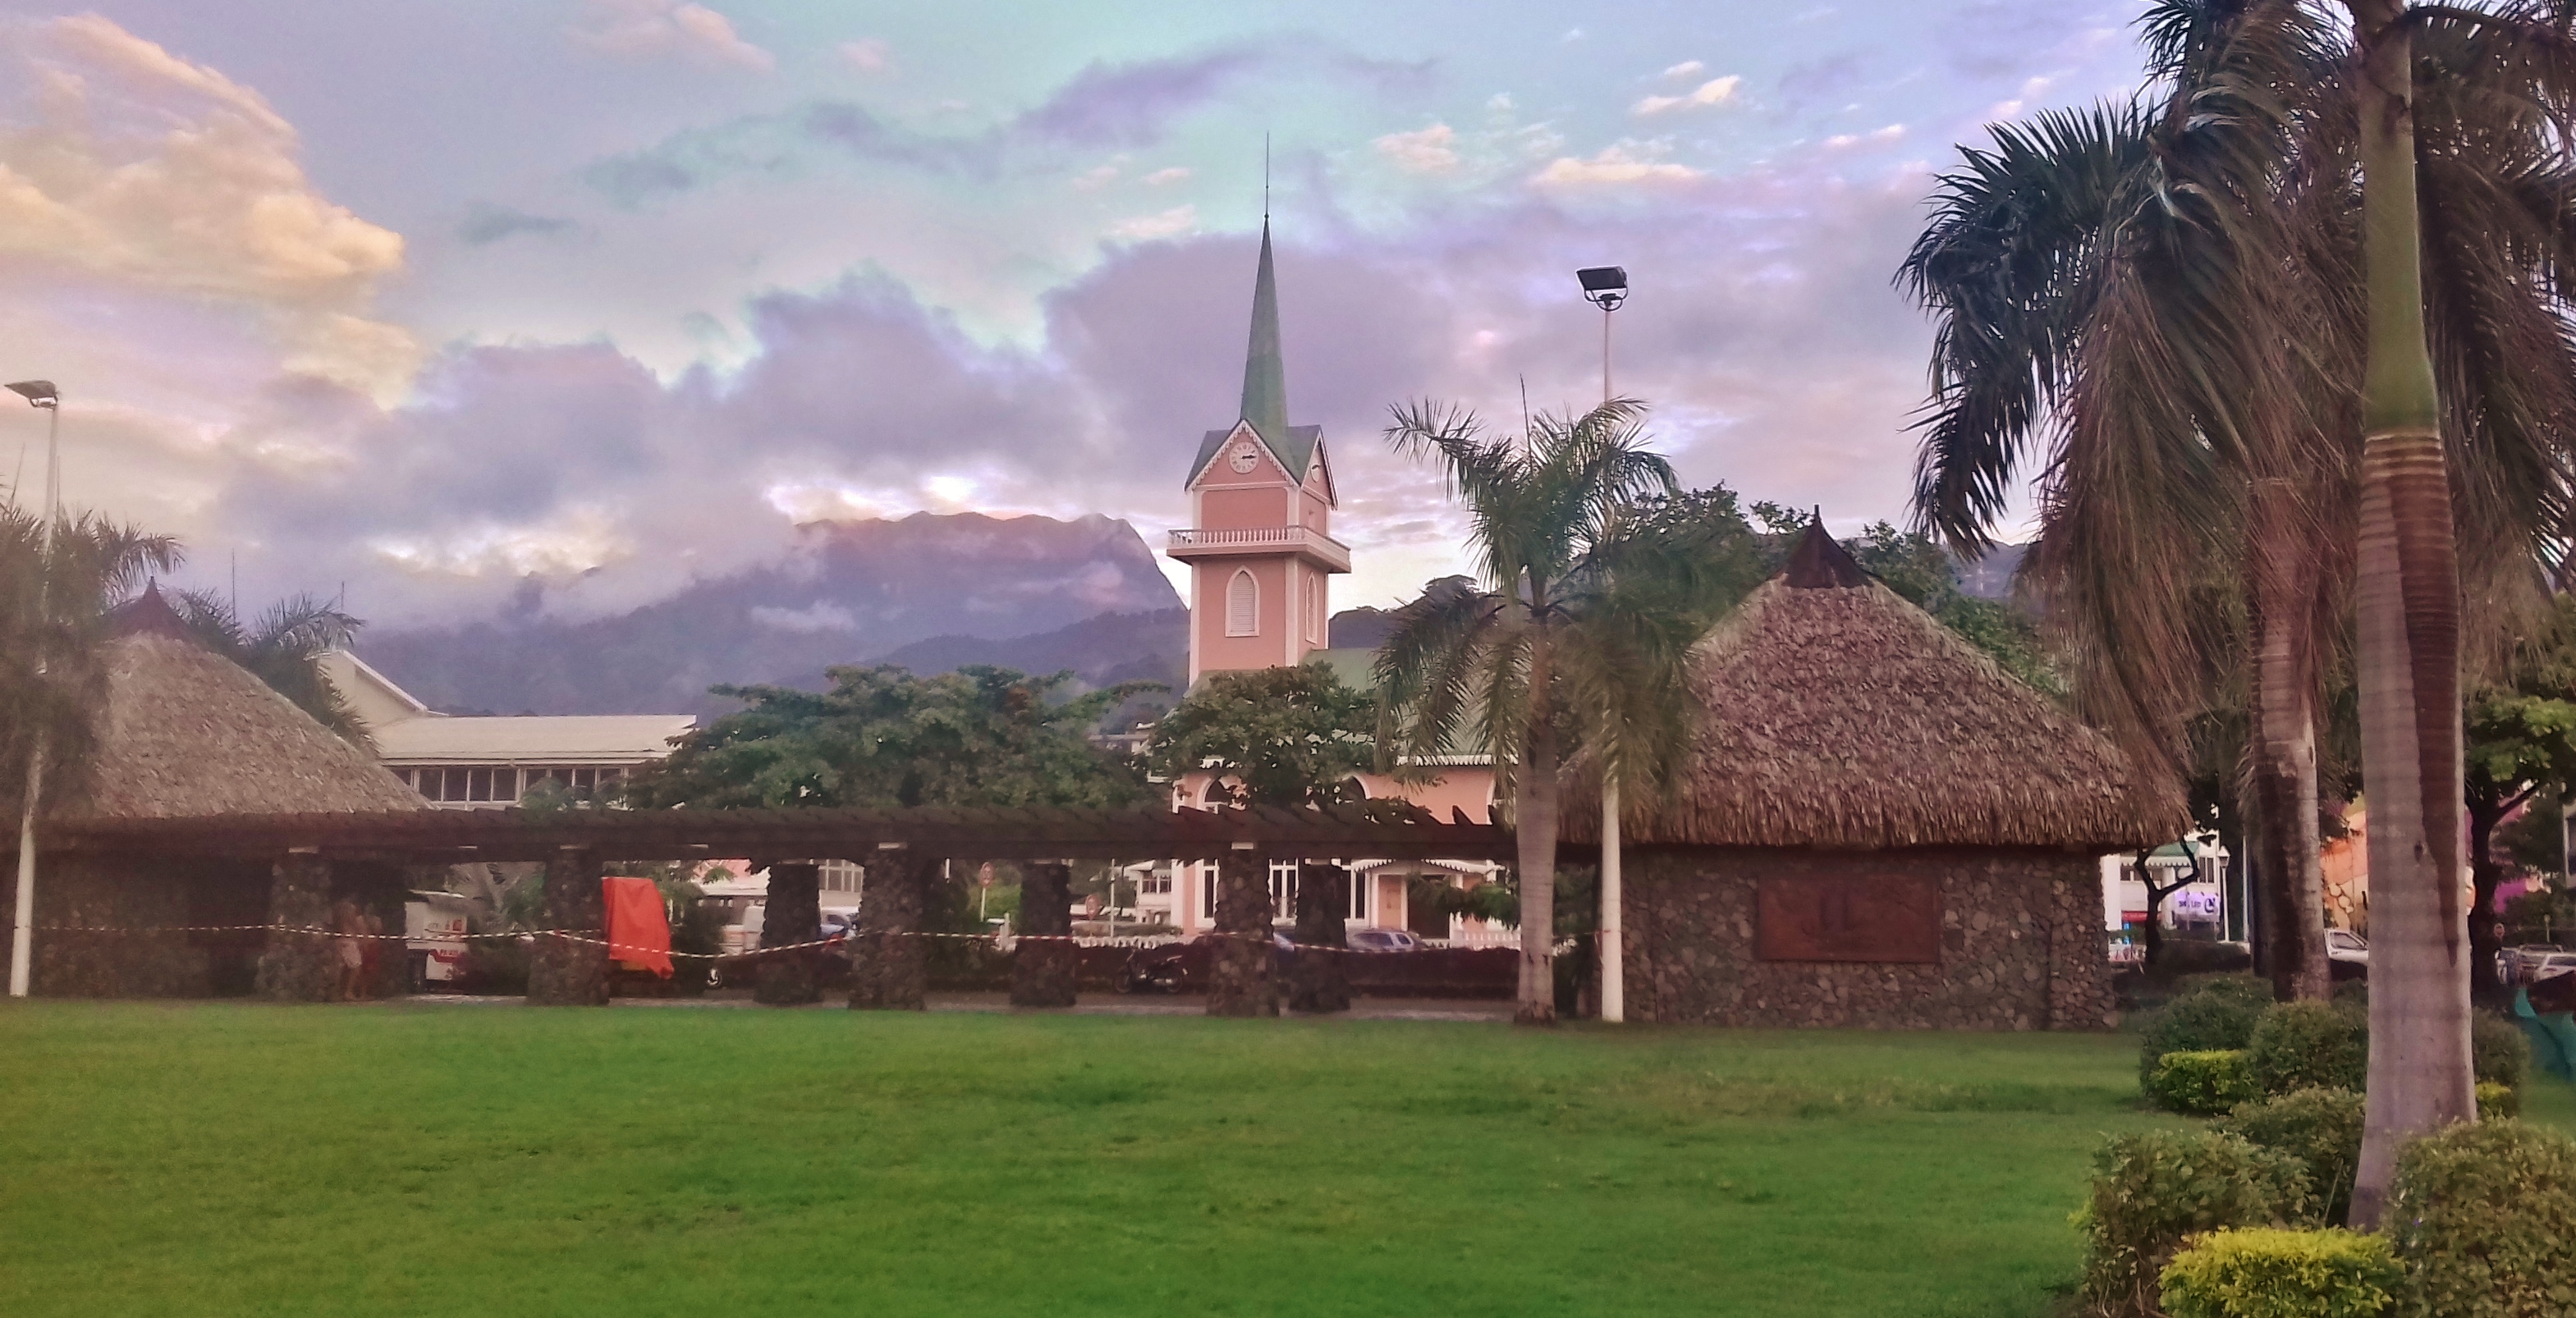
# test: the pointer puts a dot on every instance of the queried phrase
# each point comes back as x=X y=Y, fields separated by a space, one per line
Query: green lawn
x=159 y=1159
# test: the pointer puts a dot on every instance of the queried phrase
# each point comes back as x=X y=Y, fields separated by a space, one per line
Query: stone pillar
x=565 y=973
x=2080 y=996
x=889 y=962
x=1242 y=975
x=299 y=967
x=793 y=915
x=1319 y=979
x=1047 y=965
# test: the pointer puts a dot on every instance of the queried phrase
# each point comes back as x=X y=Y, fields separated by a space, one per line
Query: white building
x=471 y=761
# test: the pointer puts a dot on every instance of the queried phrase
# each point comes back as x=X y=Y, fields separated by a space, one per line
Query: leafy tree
x=2521 y=745
x=1272 y=736
x=283 y=648
x=882 y=737
x=1595 y=575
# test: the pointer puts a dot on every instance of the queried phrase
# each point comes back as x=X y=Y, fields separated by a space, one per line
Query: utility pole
x=38 y=393
x=1606 y=287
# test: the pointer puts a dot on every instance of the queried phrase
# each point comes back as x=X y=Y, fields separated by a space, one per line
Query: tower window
x=1243 y=605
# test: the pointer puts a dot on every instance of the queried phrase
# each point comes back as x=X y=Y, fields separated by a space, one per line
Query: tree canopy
x=883 y=737
x=1273 y=736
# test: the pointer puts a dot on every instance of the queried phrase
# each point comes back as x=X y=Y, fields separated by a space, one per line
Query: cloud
x=486 y=224
x=1715 y=91
x=870 y=56
x=1430 y=150
x=1620 y=164
x=133 y=165
x=1127 y=105
x=1162 y=176
x=1875 y=137
x=1162 y=224
x=1685 y=69
x=650 y=29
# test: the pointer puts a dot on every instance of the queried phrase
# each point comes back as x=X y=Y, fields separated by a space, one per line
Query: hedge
x=2483 y=1216
x=2202 y=1084
x=2153 y=1190
x=2261 y=1272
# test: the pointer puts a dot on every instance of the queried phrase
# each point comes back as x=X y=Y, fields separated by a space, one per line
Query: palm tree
x=2389 y=358
x=283 y=648
x=1595 y=578
x=54 y=599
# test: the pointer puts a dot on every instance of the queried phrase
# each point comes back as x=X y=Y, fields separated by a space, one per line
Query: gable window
x=1243 y=605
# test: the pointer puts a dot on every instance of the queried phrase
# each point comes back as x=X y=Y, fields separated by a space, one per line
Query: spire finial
x=1265 y=182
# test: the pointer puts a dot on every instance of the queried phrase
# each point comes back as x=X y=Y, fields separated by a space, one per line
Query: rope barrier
x=590 y=937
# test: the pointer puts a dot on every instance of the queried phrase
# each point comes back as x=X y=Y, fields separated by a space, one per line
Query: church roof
x=1265 y=384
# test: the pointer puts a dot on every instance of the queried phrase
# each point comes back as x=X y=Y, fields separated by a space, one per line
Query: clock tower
x=1261 y=504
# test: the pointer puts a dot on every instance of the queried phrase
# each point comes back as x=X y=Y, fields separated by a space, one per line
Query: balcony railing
x=1304 y=541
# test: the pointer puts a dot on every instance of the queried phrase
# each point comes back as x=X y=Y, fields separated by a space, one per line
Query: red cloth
x=638 y=929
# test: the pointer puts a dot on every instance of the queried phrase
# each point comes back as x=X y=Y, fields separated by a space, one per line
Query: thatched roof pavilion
x=1837 y=714
x=1876 y=826
x=185 y=733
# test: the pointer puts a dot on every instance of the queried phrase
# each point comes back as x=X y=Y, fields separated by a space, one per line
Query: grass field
x=475 y=1160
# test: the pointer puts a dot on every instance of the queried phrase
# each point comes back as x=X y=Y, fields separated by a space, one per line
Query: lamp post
x=42 y=394
x=1606 y=287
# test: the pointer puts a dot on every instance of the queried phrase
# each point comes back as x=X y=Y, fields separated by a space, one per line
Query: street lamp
x=43 y=394
x=1604 y=286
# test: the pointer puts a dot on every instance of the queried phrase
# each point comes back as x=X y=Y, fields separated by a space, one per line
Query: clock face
x=1243 y=458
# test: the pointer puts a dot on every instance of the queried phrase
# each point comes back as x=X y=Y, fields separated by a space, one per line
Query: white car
x=2347 y=946
x=1382 y=940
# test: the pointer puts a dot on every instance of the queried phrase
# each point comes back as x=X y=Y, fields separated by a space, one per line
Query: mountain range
x=928 y=591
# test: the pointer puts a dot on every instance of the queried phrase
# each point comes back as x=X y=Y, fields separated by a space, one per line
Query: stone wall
x=2022 y=946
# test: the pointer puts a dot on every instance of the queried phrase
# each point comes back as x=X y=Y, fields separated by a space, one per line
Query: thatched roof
x=188 y=733
x=1837 y=714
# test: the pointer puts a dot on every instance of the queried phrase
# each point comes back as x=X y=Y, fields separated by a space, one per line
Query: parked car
x=1183 y=967
x=1382 y=940
x=2533 y=962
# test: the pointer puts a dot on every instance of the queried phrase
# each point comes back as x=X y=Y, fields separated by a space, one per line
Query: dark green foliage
x=2484 y=1217
x=1915 y=566
x=2202 y=1084
x=2498 y=1051
x=284 y=648
x=2310 y=1045
x=883 y=737
x=2152 y=1190
x=2322 y=1127
x=2265 y=1273
x=1274 y=736
x=2214 y=1013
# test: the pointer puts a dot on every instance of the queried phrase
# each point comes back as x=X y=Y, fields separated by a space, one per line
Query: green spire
x=1265 y=377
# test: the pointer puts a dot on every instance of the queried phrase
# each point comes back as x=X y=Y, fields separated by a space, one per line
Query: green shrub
x=2151 y=1190
x=2214 y=1013
x=2310 y=1045
x=2500 y=1053
x=2321 y=1127
x=2202 y=1084
x=2264 y=1273
x=2484 y=1217
x=2496 y=1101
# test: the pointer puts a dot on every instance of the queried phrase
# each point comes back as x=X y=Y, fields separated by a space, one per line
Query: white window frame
x=1243 y=619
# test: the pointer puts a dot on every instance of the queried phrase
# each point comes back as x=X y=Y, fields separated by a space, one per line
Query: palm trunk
x=2407 y=602
x=2285 y=770
x=1534 y=819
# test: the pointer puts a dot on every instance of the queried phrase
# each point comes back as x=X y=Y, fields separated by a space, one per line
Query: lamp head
x=1605 y=286
x=38 y=393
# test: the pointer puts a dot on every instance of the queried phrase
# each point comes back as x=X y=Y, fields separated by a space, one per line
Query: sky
x=580 y=300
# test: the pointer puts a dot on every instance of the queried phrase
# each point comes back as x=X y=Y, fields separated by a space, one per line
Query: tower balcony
x=1261 y=542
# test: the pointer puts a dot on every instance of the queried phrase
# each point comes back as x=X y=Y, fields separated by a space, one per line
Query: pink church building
x=1262 y=558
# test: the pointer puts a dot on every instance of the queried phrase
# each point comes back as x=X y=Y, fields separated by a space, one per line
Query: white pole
x=22 y=929
x=1614 y=995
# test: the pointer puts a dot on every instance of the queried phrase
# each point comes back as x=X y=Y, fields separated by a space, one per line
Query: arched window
x=1243 y=605
x=1315 y=610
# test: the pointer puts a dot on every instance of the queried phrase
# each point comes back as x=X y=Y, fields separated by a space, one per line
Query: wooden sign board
x=1888 y=919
